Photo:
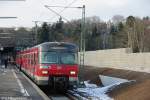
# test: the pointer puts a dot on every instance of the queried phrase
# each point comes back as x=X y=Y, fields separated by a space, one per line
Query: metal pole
x=82 y=44
x=36 y=33
x=35 y=36
x=83 y=33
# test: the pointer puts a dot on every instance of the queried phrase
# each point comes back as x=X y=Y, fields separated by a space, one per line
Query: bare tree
x=117 y=19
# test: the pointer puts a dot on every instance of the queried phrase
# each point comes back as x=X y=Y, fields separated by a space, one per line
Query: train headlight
x=44 y=72
x=72 y=72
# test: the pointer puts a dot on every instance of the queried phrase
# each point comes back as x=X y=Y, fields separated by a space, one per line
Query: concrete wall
x=119 y=58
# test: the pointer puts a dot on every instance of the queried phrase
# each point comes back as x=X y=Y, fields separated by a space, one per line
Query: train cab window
x=68 y=58
x=49 y=57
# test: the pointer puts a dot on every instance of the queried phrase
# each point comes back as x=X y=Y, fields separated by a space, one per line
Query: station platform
x=14 y=85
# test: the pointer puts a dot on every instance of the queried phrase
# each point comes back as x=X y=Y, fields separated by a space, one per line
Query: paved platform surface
x=14 y=86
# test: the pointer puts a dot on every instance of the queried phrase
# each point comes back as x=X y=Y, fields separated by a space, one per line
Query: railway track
x=65 y=96
x=69 y=95
x=57 y=95
x=75 y=95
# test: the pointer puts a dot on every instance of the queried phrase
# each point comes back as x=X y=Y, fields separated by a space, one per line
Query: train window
x=31 y=59
x=17 y=56
x=49 y=57
x=37 y=58
x=68 y=58
x=28 y=59
x=34 y=57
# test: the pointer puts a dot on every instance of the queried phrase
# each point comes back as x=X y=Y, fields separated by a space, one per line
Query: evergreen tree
x=43 y=35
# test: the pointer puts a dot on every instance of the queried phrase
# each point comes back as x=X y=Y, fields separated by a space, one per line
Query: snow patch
x=89 y=85
x=94 y=92
x=107 y=80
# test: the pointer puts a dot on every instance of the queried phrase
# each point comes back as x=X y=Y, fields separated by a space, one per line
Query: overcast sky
x=31 y=10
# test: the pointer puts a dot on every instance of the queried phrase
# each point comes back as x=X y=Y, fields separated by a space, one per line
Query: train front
x=59 y=62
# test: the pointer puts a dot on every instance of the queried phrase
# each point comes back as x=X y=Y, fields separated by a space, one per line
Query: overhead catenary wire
x=48 y=7
x=64 y=8
x=56 y=13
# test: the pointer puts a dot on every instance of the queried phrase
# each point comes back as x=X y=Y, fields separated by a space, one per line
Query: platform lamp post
x=82 y=38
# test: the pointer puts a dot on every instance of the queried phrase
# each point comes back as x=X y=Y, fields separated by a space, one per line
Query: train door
x=31 y=63
x=28 y=67
x=34 y=65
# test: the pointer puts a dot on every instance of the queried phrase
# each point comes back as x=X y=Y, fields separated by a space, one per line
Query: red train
x=50 y=63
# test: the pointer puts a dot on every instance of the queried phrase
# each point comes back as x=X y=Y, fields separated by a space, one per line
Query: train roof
x=52 y=44
x=58 y=46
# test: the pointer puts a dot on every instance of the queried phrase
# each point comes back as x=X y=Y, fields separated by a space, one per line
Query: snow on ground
x=94 y=92
x=87 y=84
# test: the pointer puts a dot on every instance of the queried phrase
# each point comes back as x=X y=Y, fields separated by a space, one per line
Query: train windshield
x=58 y=58
x=49 y=57
x=68 y=58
